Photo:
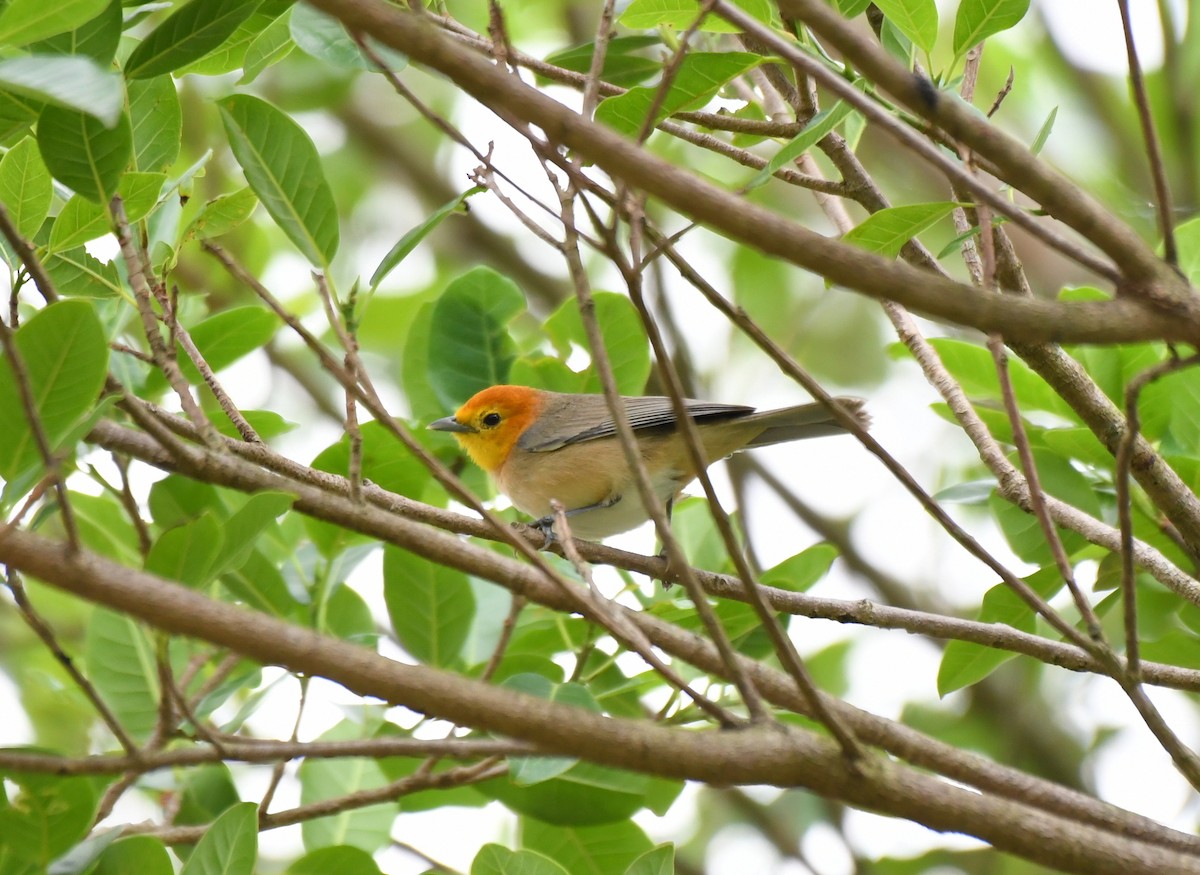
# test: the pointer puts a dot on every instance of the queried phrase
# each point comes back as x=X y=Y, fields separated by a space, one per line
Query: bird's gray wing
x=649 y=413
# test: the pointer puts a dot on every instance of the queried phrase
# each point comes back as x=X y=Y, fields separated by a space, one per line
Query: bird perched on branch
x=542 y=446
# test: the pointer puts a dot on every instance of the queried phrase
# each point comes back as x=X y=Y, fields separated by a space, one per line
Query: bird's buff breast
x=579 y=476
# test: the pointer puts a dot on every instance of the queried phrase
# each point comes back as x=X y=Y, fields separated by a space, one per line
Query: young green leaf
x=700 y=76
x=979 y=19
x=916 y=19
x=621 y=65
x=413 y=238
x=802 y=571
x=282 y=166
x=682 y=14
x=821 y=124
x=888 y=230
x=1043 y=134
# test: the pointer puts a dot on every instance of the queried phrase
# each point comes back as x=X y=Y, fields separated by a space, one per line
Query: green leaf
x=205 y=793
x=1187 y=237
x=972 y=365
x=888 y=230
x=68 y=82
x=657 y=861
x=1043 y=133
x=82 y=153
x=979 y=19
x=82 y=220
x=66 y=355
x=96 y=38
x=121 y=664
x=495 y=859
x=852 y=8
x=682 y=14
x=385 y=461
x=414 y=236
x=469 y=345
x=325 y=38
x=1021 y=529
x=222 y=214
x=222 y=339
x=283 y=167
x=430 y=606
x=916 y=19
x=145 y=855
x=802 y=571
x=50 y=813
x=342 y=859
x=965 y=663
x=257 y=582
x=246 y=524
x=700 y=76
x=272 y=45
x=187 y=35
x=814 y=131
x=587 y=849
x=621 y=66
x=969 y=234
x=230 y=845
x=230 y=54
x=26 y=21
x=17 y=113
x=367 y=827
x=157 y=122
x=624 y=340
x=25 y=187
x=188 y=553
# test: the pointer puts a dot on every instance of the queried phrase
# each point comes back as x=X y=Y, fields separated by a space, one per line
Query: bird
x=540 y=447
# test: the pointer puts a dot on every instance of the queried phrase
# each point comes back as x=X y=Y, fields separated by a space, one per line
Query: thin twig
x=1158 y=171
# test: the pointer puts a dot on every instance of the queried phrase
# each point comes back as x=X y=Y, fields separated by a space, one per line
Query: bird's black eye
x=491 y=420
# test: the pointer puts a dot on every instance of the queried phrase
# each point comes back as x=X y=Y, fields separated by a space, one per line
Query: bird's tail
x=805 y=421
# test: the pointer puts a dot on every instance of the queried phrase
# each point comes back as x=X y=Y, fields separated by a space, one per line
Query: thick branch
x=780 y=756
x=1021 y=319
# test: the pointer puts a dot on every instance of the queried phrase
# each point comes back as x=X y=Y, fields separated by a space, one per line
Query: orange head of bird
x=489 y=425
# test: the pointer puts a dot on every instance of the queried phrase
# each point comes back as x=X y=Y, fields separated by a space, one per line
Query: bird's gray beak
x=449 y=423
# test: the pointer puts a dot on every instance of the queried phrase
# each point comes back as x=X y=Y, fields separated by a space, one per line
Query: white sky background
x=888 y=668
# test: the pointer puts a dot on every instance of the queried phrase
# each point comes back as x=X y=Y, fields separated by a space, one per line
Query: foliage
x=219 y=488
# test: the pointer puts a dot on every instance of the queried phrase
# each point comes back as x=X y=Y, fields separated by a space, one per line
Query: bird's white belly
x=600 y=522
